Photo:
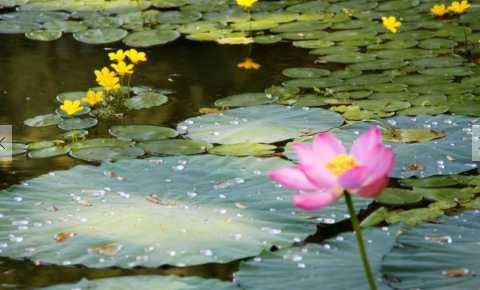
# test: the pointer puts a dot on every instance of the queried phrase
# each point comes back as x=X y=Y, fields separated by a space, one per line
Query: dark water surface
x=33 y=73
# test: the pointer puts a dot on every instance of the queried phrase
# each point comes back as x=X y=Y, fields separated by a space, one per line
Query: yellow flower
x=136 y=56
x=107 y=79
x=118 y=56
x=122 y=68
x=93 y=97
x=71 y=107
x=459 y=7
x=248 y=63
x=439 y=10
x=246 y=3
x=391 y=23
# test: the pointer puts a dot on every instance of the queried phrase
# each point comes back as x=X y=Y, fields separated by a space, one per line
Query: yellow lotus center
x=340 y=163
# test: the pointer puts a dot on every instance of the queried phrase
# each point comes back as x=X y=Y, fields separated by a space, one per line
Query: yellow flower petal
x=246 y=3
x=248 y=63
x=122 y=68
x=136 y=56
x=391 y=23
x=119 y=55
x=439 y=10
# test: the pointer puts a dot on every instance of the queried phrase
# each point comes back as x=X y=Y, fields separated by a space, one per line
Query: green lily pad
x=458 y=71
x=243 y=149
x=43 y=35
x=414 y=216
x=98 y=154
x=71 y=96
x=43 y=120
x=398 y=196
x=437 y=43
x=447 y=193
x=77 y=123
x=142 y=132
x=175 y=147
x=49 y=152
x=259 y=124
x=378 y=65
x=451 y=241
x=101 y=142
x=303 y=26
x=42 y=144
x=75 y=135
x=146 y=100
x=305 y=72
x=148 y=283
x=312 y=265
x=246 y=99
x=312 y=83
x=347 y=57
x=100 y=35
x=450 y=154
x=150 y=38
x=205 y=209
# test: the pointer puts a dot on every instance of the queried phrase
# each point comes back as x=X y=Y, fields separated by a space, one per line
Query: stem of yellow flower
x=360 y=242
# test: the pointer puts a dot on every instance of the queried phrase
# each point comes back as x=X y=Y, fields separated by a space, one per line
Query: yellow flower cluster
x=391 y=23
x=71 y=107
x=457 y=7
x=246 y=3
x=110 y=80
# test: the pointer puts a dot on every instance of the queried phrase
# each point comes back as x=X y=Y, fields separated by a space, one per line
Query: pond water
x=197 y=73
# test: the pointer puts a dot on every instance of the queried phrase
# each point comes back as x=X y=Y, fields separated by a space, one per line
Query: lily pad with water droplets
x=49 y=152
x=243 y=149
x=148 y=283
x=259 y=124
x=437 y=155
x=175 y=210
x=105 y=153
x=325 y=264
x=451 y=241
x=245 y=99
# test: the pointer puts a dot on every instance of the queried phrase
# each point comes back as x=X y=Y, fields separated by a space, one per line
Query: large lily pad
x=142 y=132
x=437 y=256
x=150 y=38
x=335 y=264
x=43 y=120
x=259 y=124
x=146 y=100
x=175 y=210
x=442 y=145
x=148 y=283
x=100 y=35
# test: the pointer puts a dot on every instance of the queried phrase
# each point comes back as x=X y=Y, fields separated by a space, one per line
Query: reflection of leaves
x=411 y=135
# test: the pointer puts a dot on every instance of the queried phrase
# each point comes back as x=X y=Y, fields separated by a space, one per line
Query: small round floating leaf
x=205 y=208
x=305 y=72
x=347 y=57
x=259 y=124
x=243 y=149
x=71 y=96
x=101 y=142
x=49 y=152
x=451 y=241
x=77 y=123
x=414 y=216
x=313 y=83
x=437 y=43
x=41 y=145
x=175 y=147
x=75 y=135
x=43 y=120
x=150 y=38
x=312 y=265
x=459 y=71
x=246 y=99
x=43 y=35
x=100 y=35
x=148 y=283
x=267 y=39
x=142 y=132
x=146 y=100
x=97 y=154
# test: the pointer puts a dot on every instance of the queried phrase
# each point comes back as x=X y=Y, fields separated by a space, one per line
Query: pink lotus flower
x=326 y=170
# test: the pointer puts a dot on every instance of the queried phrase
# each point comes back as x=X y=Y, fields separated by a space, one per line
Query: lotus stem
x=360 y=242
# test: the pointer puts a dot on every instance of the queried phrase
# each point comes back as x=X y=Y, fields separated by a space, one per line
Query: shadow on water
x=33 y=73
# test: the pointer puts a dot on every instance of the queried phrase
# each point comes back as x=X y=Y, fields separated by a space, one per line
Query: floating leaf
x=43 y=35
x=77 y=123
x=398 y=196
x=97 y=154
x=259 y=124
x=150 y=38
x=451 y=241
x=142 y=132
x=175 y=147
x=243 y=149
x=100 y=35
x=312 y=265
x=146 y=100
x=43 y=120
x=191 y=202
x=244 y=100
